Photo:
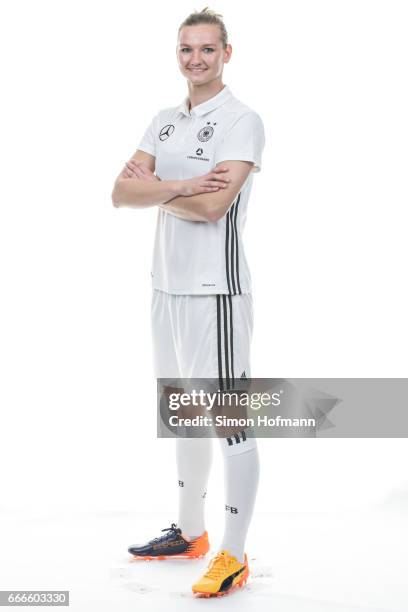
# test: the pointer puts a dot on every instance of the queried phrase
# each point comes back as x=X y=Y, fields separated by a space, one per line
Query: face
x=200 y=53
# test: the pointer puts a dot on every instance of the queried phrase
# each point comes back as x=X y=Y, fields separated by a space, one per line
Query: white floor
x=298 y=563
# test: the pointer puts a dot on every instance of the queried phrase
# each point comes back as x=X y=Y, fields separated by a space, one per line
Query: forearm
x=202 y=207
x=138 y=193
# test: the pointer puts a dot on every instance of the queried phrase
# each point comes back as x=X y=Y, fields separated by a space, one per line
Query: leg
x=174 y=333
x=229 y=568
x=241 y=470
x=194 y=458
x=241 y=460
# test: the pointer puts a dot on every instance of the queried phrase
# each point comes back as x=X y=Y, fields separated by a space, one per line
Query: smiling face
x=200 y=53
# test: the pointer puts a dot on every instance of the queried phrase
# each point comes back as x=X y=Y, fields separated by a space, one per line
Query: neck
x=201 y=93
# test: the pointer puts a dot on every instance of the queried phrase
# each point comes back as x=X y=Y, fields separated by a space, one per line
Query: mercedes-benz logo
x=166 y=131
x=205 y=133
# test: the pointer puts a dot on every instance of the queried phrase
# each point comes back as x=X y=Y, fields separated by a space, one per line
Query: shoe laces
x=173 y=531
x=218 y=565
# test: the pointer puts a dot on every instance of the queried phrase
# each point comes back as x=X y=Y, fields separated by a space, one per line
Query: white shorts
x=202 y=336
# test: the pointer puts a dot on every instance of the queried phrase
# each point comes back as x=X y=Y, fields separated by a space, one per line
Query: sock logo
x=205 y=493
x=181 y=483
x=237 y=438
x=232 y=509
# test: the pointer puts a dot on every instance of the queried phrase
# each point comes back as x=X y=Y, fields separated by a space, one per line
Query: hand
x=212 y=181
x=134 y=169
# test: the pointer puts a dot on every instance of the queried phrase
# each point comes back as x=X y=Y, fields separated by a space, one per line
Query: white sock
x=241 y=470
x=194 y=458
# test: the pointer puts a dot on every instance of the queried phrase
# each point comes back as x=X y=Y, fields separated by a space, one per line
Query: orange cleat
x=224 y=575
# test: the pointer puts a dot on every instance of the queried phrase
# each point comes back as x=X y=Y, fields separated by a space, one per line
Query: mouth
x=197 y=69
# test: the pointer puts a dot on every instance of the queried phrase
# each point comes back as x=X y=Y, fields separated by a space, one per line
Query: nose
x=195 y=59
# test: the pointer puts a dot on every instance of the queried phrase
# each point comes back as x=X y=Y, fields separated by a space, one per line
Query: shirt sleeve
x=244 y=141
x=148 y=142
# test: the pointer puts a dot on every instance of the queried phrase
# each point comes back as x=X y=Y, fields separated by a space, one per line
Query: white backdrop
x=326 y=241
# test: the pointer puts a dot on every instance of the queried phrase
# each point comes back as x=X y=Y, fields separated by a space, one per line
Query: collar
x=207 y=106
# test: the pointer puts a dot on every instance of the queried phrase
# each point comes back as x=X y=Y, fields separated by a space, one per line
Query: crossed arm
x=204 y=198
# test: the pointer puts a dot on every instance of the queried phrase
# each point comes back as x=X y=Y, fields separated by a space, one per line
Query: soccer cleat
x=224 y=574
x=172 y=545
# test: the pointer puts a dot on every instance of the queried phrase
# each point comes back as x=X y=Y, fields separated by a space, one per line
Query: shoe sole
x=163 y=557
x=236 y=586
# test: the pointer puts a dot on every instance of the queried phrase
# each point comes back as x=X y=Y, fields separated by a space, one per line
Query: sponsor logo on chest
x=203 y=135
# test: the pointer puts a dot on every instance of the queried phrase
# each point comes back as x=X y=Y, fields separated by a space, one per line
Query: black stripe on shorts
x=225 y=345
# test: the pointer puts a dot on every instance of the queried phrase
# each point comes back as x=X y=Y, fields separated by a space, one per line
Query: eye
x=185 y=49
x=210 y=49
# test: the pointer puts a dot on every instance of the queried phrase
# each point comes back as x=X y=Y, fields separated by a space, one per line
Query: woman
x=196 y=163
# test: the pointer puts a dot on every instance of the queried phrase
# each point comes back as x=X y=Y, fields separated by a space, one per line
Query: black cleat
x=172 y=545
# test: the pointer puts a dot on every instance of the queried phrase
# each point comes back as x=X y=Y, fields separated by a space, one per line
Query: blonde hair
x=206 y=15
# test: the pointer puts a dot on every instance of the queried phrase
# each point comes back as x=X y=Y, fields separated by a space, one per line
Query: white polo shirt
x=197 y=257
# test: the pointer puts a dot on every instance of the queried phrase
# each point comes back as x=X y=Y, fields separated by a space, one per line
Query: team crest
x=205 y=133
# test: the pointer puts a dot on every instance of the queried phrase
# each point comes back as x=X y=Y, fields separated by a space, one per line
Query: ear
x=227 y=54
